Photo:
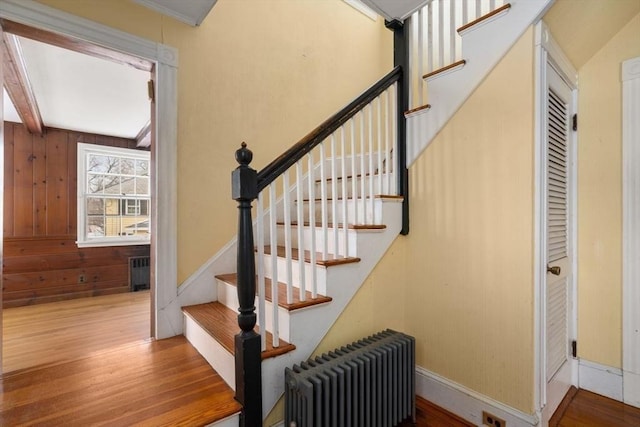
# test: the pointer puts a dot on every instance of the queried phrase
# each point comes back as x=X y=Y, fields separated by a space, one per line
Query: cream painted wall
x=469 y=267
x=264 y=72
x=600 y=199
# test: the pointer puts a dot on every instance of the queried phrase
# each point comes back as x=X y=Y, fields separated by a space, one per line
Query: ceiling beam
x=75 y=45
x=143 y=139
x=18 y=86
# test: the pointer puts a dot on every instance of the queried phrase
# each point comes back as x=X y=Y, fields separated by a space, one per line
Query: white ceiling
x=395 y=9
x=82 y=93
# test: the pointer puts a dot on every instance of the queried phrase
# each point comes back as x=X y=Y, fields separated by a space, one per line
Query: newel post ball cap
x=243 y=154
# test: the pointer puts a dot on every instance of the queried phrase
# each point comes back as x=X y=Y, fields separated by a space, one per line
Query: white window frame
x=84 y=151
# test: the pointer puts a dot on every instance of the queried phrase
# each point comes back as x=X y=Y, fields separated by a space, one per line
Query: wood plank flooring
x=588 y=409
x=90 y=362
x=43 y=334
x=154 y=383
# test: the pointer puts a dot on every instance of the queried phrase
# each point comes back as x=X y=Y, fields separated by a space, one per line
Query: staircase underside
x=162 y=382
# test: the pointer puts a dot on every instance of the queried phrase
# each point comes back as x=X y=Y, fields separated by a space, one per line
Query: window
x=113 y=196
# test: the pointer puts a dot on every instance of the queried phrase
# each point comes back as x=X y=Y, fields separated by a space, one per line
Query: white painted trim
x=193 y=20
x=363 y=8
x=547 y=51
x=601 y=379
x=466 y=403
x=630 y=230
x=167 y=317
x=555 y=55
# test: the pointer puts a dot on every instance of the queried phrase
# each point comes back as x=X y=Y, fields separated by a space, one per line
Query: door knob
x=555 y=270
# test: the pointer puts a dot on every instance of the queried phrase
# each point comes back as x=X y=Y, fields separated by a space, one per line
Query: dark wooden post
x=401 y=58
x=247 y=343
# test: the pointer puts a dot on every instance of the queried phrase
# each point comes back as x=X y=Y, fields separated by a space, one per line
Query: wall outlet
x=82 y=278
x=492 y=421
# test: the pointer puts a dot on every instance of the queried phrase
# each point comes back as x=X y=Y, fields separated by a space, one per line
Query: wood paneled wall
x=41 y=262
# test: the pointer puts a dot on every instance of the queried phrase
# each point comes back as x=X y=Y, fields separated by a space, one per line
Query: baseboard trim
x=466 y=403
x=600 y=379
x=631 y=387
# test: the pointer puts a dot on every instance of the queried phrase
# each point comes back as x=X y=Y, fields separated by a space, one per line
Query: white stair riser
x=382 y=184
x=367 y=214
x=216 y=355
x=228 y=295
x=295 y=273
x=351 y=239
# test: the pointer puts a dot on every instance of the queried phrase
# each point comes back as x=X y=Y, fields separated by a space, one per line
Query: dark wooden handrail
x=287 y=159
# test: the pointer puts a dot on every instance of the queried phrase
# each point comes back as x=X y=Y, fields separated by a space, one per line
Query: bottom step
x=222 y=324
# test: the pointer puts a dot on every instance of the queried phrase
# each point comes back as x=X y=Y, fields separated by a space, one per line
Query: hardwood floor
x=42 y=334
x=154 y=383
x=90 y=362
x=586 y=409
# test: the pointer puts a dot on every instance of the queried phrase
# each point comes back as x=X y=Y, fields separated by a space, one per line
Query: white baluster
x=441 y=32
x=301 y=269
x=394 y=150
x=430 y=48
x=287 y=236
x=370 y=171
x=478 y=9
x=465 y=12
x=261 y=281
x=363 y=172
x=324 y=207
x=354 y=174
x=420 y=55
x=334 y=195
x=344 y=197
x=274 y=263
x=378 y=175
x=387 y=129
x=312 y=226
x=452 y=31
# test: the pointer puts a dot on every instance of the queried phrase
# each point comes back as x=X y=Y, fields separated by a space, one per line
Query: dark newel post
x=247 y=343
x=401 y=35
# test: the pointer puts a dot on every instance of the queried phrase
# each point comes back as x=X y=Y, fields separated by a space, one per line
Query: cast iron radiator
x=367 y=383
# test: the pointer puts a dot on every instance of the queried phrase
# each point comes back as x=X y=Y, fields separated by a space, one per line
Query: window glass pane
x=128 y=185
x=127 y=166
x=95 y=206
x=96 y=184
x=142 y=186
x=142 y=167
x=95 y=226
x=112 y=207
x=103 y=164
x=112 y=185
x=144 y=207
x=112 y=226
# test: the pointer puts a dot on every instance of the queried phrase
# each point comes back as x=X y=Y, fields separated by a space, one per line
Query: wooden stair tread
x=232 y=279
x=415 y=110
x=307 y=257
x=484 y=17
x=222 y=324
x=340 y=225
x=377 y=196
x=445 y=68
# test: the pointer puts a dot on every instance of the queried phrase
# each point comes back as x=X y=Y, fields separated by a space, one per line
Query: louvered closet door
x=557 y=233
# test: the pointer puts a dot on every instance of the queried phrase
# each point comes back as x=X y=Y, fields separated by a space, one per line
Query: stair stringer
x=483 y=46
x=342 y=284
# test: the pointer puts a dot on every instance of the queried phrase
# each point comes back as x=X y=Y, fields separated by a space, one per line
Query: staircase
x=328 y=208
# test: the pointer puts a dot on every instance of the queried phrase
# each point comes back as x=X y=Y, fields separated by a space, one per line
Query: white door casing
x=167 y=317
x=631 y=231
x=555 y=229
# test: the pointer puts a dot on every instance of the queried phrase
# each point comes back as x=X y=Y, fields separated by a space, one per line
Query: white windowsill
x=103 y=243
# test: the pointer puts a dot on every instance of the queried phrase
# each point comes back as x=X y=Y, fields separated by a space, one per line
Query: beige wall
x=469 y=267
x=600 y=199
x=264 y=72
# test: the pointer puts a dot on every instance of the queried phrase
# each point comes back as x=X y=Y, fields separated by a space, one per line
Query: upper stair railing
x=308 y=199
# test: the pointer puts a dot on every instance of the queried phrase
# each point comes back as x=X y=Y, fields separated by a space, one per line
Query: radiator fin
x=367 y=383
